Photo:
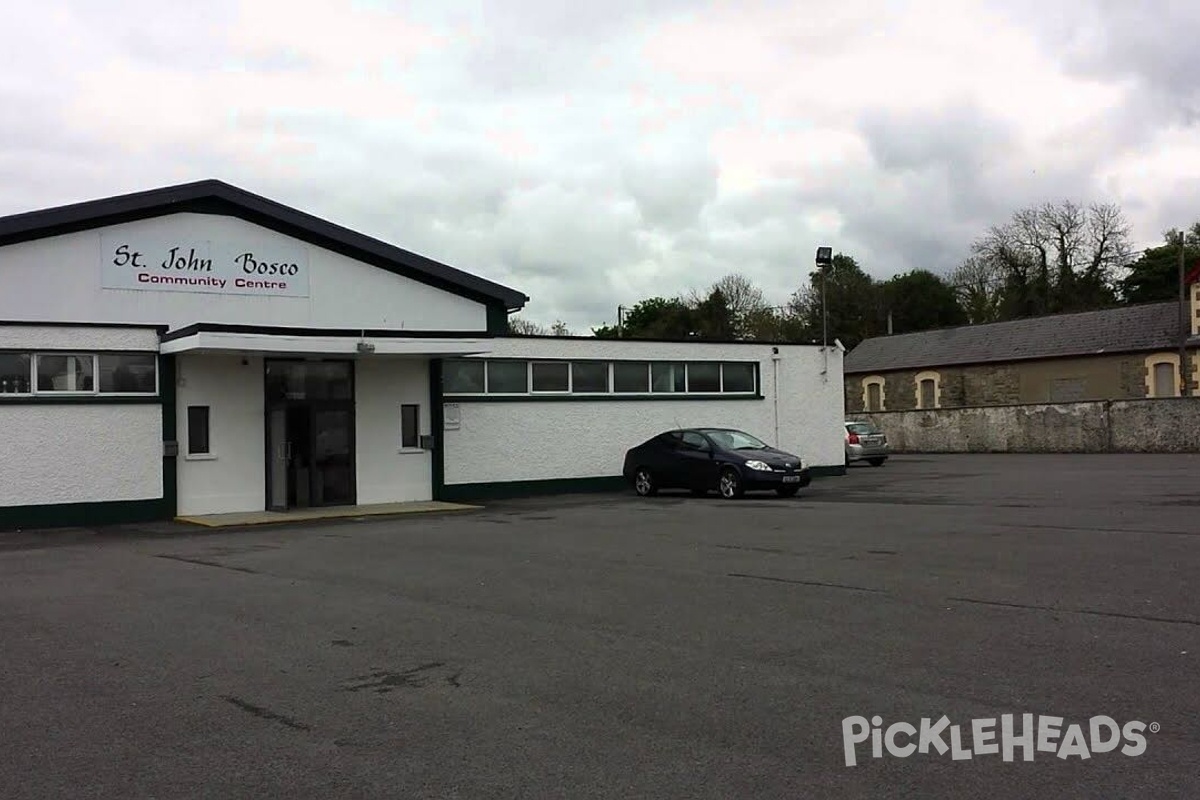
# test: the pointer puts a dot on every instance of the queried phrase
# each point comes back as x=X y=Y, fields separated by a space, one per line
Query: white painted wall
x=85 y=339
x=60 y=279
x=386 y=472
x=52 y=454
x=529 y=440
x=233 y=477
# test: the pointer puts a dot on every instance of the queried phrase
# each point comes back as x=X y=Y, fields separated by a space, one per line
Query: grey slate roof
x=1153 y=326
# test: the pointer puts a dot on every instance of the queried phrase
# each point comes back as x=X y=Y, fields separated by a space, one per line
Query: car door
x=696 y=458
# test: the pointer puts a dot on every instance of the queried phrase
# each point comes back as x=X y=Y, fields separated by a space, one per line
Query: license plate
x=791 y=478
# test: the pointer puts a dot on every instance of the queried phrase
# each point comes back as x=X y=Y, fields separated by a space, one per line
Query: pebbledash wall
x=120 y=317
x=576 y=438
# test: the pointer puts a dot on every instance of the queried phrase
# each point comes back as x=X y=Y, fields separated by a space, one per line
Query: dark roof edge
x=583 y=338
x=43 y=223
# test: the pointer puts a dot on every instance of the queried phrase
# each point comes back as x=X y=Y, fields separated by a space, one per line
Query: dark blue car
x=705 y=459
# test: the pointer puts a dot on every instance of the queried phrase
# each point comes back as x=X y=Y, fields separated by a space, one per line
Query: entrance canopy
x=244 y=339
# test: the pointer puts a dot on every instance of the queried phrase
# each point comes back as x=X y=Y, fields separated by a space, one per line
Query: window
x=873 y=397
x=631 y=376
x=66 y=373
x=737 y=377
x=128 y=374
x=589 y=376
x=463 y=377
x=1164 y=379
x=873 y=393
x=668 y=378
x=928 y=390
x=16 y=370
x=410 y=426
x=537 y=377
x=551 y=377
x=507 y=377
x=694 y=441
x=704 y=377
x=197 y=430
x=1162 y=375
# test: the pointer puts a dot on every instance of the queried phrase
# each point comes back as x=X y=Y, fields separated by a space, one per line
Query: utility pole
x=620 y=320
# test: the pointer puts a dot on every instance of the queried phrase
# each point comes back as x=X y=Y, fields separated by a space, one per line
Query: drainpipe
x=775 y=391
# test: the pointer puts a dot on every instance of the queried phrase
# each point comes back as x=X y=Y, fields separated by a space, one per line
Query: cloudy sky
x=598 y=154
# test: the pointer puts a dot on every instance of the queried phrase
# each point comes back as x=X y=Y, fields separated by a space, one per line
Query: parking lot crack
x=807 y=583
x=203 y=563
x=263 y=713
x=1087 y=611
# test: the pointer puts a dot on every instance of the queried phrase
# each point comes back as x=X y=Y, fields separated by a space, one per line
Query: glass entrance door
x=310 y=434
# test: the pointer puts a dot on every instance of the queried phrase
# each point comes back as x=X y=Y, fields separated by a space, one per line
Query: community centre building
x=199 y=349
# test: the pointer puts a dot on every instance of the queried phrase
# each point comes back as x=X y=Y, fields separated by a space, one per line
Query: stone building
x=1113 y=354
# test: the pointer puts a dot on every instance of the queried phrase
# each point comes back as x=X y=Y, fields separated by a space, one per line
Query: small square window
x=737 y=377
x=551 y=377
x=463 y=377
x=631 y=376
x=704 y=377
x=589 y=377
x=197 y=430
x=128 y=374
x=16 y=370
x=410 y=426
x=665 y=377
x=507 y=377
x=66 y=373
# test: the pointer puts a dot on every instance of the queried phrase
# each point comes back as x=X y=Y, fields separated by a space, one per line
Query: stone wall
x=1102 y=377
x=1167 y=425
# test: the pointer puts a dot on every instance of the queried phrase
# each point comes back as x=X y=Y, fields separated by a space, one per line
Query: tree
x=653 y=318
x=978 y=284
x=1052 y=258
x=850 y=299
x=741 y=297
x=559 y=328
x=518 y=326
x=918 y=301
x=1154 y=277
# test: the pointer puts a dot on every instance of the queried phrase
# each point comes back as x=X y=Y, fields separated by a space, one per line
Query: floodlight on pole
x=824 y=261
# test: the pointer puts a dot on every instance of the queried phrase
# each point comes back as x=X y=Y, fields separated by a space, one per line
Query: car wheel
x=643 y=483
x=788 y=491
x=876 y=462
x=730 y=484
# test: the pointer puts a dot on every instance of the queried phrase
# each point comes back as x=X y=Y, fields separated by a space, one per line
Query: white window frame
x=929 y=375
x=72 y=392
x=608 y=378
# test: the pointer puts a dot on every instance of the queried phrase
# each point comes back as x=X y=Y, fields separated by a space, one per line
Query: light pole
x=620 y=320
x=824 y=261
x=1185 y=327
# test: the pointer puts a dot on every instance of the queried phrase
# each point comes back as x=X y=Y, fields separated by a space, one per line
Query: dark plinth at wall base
x=465 y=492
x=84 y=515
x=495 y=491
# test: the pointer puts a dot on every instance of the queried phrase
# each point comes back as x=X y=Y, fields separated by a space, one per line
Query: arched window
x=874 y=398
x=929 y=390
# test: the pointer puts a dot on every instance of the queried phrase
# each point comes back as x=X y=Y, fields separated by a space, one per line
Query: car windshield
x=734 y=440
x=860 y=428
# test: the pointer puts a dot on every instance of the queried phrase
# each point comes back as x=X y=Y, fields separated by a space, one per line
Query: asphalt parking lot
x=610 y=646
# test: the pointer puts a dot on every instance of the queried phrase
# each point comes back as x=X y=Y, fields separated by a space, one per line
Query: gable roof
x=1153 y=326
x=217 y=197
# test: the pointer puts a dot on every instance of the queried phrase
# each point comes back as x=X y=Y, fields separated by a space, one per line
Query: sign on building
x=216 y=267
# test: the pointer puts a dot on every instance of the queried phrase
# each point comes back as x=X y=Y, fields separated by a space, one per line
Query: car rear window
x=861 y=428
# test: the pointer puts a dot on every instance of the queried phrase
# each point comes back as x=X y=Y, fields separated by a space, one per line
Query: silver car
x=865 y=442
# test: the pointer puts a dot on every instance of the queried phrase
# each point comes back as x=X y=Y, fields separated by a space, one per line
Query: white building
x=198 y=350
